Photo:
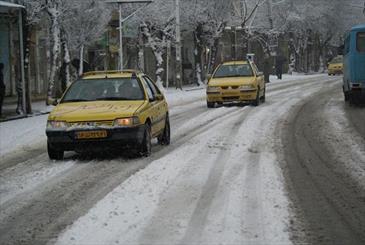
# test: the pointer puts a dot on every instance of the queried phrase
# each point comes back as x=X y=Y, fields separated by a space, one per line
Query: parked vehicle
x=236 y=81
x=109 y=110
x=354 y=65
x=335 y=66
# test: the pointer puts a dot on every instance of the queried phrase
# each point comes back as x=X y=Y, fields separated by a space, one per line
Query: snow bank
x=21 y=133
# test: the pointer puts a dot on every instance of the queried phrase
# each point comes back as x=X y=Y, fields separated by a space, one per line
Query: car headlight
x=212 y=89
x=250 y=87
x=128 y=121
x=57 y=125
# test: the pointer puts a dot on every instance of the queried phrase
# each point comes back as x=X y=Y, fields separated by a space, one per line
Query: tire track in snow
x=195 y=228
x=199 y=216
x=326 y=199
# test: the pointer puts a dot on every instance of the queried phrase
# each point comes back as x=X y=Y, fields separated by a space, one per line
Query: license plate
x=91 y=134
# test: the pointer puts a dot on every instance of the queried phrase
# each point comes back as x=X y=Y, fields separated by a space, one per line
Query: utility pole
x=121 y=21
x=178 y=70
x=269 y=14
x=120 y=38
x=168 y=54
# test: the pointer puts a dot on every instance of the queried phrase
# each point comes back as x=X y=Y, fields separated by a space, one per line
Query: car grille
x=95 y=123
x=229 y=87
x=231 y=98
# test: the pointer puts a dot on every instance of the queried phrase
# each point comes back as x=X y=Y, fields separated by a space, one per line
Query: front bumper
x=232 y=96
x=116 y=138
x=335 y=71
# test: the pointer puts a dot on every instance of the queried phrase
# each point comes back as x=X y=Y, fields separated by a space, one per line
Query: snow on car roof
x=109 y=74
x=237 y=62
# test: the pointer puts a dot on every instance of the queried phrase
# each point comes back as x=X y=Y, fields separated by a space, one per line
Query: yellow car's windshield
x=104 y=89
x=242 y=70
x=336 y=60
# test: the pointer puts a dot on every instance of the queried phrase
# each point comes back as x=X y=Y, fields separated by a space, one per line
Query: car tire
x=53 y=153
x=145 y=148
x=256 y=102
x=263 y=98
x=164 y=138
x=210 y=104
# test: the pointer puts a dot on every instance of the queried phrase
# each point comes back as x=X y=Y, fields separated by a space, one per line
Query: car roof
x=110 y=74
x=237 y=62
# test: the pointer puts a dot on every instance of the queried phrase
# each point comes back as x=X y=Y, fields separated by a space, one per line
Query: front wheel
x=164 y=138
x=256 y=102
x=53 y=153
x=210 y=104
x=263 y=98
x=145 y=148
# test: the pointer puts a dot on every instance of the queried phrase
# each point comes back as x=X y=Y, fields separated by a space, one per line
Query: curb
x=23 y=116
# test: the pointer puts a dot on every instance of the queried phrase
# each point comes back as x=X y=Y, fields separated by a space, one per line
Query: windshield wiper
x=75 y=100
x=113 y=98
x=234 y=76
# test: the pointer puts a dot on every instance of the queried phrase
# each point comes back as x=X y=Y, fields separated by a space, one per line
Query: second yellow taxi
x=335 y=66
x=236 y=81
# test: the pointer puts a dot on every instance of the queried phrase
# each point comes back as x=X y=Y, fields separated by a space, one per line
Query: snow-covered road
x=230 y=176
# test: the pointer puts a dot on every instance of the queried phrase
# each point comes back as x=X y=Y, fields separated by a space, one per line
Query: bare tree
x=84 y=22
x=157 y=25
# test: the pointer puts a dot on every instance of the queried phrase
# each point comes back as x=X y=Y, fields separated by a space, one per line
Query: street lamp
x=120 y=2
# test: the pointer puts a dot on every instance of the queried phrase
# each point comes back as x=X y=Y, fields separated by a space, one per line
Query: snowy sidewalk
x=39 y=107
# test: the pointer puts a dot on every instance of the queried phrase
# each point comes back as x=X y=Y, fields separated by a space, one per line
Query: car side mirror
x=55 y=102
x=260 y=73
x=159 y=97
x=209 y=76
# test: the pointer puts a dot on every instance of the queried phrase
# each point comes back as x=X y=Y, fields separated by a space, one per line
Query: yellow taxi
x=335 y=66
x=120 y=110
x=236 y=81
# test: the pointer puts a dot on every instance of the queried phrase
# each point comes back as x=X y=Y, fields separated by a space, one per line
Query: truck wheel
x=54 y=154
x=164 y=138
x=346 y=95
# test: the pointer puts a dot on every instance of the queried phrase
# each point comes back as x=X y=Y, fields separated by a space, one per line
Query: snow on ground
x=22 y=133
x=294 y=77
x=351 y=154
x=20 y=179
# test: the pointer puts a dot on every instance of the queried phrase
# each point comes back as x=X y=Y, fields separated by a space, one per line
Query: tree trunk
x=67 y=61
x=214 y=51
x=55 y=33
x=159 y=68
x=140 y=51
x=27 y=33
x=157 y=49
x=81 y=65
x=198 y=54
x=66 y=76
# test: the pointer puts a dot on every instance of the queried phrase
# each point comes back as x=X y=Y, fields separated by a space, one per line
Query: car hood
x=231 y=81
x=95 y=110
